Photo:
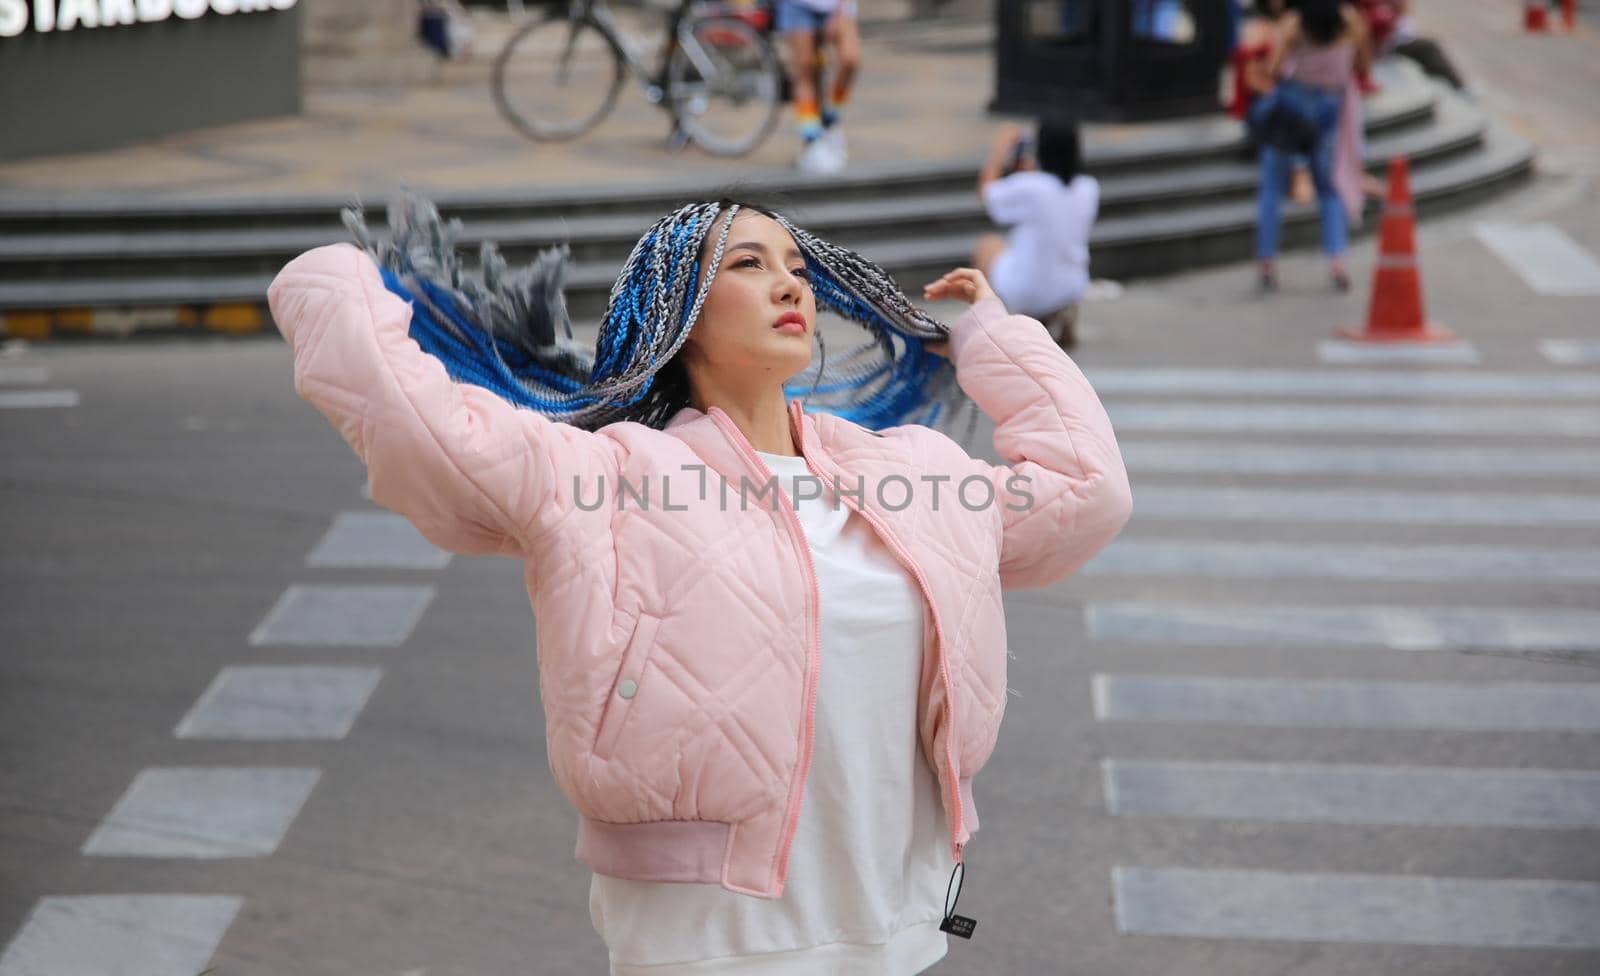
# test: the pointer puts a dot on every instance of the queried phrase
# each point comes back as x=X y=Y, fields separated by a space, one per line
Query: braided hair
x=498 y=328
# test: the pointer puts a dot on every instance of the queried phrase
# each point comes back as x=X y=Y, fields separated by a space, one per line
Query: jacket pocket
x=627 y=685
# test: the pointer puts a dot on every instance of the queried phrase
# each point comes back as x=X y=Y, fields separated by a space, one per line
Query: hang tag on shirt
x=959 y=925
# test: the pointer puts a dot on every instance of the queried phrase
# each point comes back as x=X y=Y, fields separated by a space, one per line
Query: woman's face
x=741 y=334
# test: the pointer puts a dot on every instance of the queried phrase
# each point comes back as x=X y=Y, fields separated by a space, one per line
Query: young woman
x=1321 y=44
x=767 y=706
x=1042 y=267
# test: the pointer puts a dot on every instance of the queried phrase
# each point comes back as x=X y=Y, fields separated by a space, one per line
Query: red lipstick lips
x=791 y=322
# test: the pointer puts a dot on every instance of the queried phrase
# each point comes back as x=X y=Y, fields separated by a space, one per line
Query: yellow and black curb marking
x=223 y=318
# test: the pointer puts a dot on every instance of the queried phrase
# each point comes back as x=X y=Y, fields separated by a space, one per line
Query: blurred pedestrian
x=444 y=27
x=818 y=32
x=709 y=658
x=1323 y=43
x=1033 y=183
x=1251 y=79
x=1394 y=31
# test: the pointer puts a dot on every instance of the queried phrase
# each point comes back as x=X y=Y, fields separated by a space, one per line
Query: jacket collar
x=721 y=445
x=801 y=423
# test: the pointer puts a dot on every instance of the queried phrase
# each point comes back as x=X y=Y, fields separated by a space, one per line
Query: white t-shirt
x=871 y=858
x=1046 y=261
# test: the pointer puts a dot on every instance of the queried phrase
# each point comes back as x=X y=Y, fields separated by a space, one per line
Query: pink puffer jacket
x=677 y=622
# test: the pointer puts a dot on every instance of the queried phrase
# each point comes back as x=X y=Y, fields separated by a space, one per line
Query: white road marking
x=1396 y=384
x=1542 y=255
x=1571 y=352
x=127 y=935
x=1319 y=419
x=37 y=399
x=1518 y=914
x=1192 y=502
x=203 y=812
x=1345 y=794
x=1286 y=703
x=343 y=615
x=1339 y=353
x=1421 y=461
x=280 y=702
x=1198 y=558
x=375 y=540
x=1533 y=629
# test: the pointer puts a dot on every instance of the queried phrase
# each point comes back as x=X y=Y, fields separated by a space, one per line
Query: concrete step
x=895 y=211
x=912 y=220
x=1109 y=151
x=1125 y=247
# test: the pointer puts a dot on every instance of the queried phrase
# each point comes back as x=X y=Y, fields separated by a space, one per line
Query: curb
x=221 y=319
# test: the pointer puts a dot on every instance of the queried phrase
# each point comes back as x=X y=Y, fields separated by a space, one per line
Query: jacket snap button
x=627 y=688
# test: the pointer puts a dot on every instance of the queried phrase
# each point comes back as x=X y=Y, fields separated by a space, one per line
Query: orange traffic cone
x=1395 y=314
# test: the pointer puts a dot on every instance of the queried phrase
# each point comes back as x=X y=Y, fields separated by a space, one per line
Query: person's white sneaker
x=818 y=157
x=834 y=136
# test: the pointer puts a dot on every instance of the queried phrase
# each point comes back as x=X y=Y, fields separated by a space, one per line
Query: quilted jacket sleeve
x=1063 y=493
x=474 y=473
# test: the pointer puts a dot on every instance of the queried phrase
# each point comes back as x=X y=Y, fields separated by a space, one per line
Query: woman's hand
x=962 y=285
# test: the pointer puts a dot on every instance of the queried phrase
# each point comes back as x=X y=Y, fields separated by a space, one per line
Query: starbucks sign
x=45 y=16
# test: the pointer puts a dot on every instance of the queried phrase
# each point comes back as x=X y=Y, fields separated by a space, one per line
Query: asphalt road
x=1222 y=761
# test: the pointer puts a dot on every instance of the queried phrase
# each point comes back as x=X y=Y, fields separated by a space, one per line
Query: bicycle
x=719 y=78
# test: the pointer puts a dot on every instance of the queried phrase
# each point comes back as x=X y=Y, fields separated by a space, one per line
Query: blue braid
x=493 y=328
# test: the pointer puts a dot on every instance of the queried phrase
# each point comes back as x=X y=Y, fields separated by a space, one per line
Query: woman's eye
x=802 y=274
x=748 y=263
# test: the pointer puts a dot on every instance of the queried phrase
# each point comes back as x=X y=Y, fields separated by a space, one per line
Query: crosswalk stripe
x=280 y=702
x=1338 y=353
x=67 y=934
x=1550 y=629
x=23 y=375
x=37 y=399
x=1410 y=508
x=1501 y=565
x=1571 y=352
x=1348 y=704
x=1542 y=255
x=375 y=540
x=1349 y=794
x=1309 y=907
x=1351 y=419
x=330 y=615
x=1232 y=457
x=1406 y=384
x=203 y=812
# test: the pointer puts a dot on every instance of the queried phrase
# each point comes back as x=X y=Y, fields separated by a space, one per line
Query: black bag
x=1279 y=120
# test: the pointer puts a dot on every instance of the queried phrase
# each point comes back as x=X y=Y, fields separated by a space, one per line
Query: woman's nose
x=789 y=287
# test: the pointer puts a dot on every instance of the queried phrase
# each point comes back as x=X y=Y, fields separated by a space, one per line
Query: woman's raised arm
x=474 y=473
x=1063 y=492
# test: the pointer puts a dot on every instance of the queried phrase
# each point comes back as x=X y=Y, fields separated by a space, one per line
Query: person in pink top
x=770 y=636
x=1321 y=46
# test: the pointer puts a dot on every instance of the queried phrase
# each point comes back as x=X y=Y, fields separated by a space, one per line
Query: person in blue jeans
x=1320 y=47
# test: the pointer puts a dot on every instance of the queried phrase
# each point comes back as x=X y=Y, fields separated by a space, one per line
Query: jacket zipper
x=944 y=672
x=813 y=626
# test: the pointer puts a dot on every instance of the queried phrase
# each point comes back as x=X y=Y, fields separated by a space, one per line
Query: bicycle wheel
x=557 y=77
x=722 y=84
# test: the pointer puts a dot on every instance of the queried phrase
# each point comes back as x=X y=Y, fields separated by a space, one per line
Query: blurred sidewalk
x=920 y=97
x=1542 y=85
